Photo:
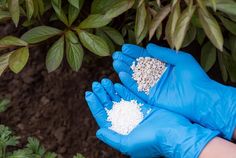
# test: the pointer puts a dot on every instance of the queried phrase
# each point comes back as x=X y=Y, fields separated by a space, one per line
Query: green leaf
x=4 y=103
x=103 y=35
x=73 y=12
x=18 y=59
x=114 y=35
x=232 y=44
x=223 y=69
x=21 y=153
x=208 y=56
x=171 y=24
x=11 y=41
x=213 y=3
x=211 y=28
x=195 y=21
x=4 y=15
x=50 y=155
x=101 y=6
x=34 y=146
x=56 y=4
x=229 y=25
x=156 y=21
x=40 y=6
x=94 y=43
x=94 y=21
x=119 y=7
x=29 y=8
x=75 y=3
x=227 y=6
x=55 y=55
x=145 y=30
x=14 y=9
x=190 y=36
x=140 y=20
x=78 y=156
x=182 y=26
x=39 y=34
x=74 y=51
x=200 y=36
x=4 y=62
x=131 y=36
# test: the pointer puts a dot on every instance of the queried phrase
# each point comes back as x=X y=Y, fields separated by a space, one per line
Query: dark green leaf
x=14 y=9
x=4 y=103
x=94 y=43
x=159 y=32
x=131 y=36
x=114 y=35
x=140 y=20
x=29 y=8
x=103 y=35
x=39 y=34
x=229 y=25
x=75 y=3
x=200 y=36
x=118 y=8
x=4 y=15
x=232 y=44
x=11 y=41
x=50 y=155
x=171 y=24
x=55 y=55
x=230 y=65
x=94 y=21
x=56 y=4
x=223 y=69
x=211 y=28
x=74 y=51
x=208 y=56
x=182 y=26
x=156 y=21
x=18 y=59
x=40 y=6
x=4 y=62
x=195 y=21
x=101 y=6
x=190 y=36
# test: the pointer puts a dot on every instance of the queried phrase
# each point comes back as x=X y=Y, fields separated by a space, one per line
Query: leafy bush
x=179 y=22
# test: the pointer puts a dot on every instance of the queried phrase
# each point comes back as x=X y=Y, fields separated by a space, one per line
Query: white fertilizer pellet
x=147 y=72
x=124 y=116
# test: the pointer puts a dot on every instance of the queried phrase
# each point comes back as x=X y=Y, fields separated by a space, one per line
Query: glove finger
x=164 y=54
x=109 y=87
x=134 y=51
x=100 y=92
x=113 y=139
x=120 y=66
x=129 y=82
x=124 y=58
x=96 y=109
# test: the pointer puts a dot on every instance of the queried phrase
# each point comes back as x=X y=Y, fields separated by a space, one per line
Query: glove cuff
x=198 y=138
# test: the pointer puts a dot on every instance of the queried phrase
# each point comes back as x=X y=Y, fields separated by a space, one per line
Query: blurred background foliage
x=101 y=26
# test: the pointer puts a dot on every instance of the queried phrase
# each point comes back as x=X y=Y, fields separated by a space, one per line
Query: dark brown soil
x=52 y=108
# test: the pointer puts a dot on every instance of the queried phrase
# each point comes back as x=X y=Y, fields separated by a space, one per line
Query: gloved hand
x=184 y=88
x=161 y=133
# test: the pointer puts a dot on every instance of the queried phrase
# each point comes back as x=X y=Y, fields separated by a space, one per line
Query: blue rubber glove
x=161 y=133
x=184 y=88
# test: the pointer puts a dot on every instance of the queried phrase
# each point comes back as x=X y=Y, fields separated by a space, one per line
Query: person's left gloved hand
x=161 y=133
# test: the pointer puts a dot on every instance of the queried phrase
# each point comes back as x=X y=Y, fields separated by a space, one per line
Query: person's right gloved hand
x=185 y=88
x=161 y=133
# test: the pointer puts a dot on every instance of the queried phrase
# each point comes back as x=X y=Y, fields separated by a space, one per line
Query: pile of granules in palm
x=146 y=72
x=124 y=116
